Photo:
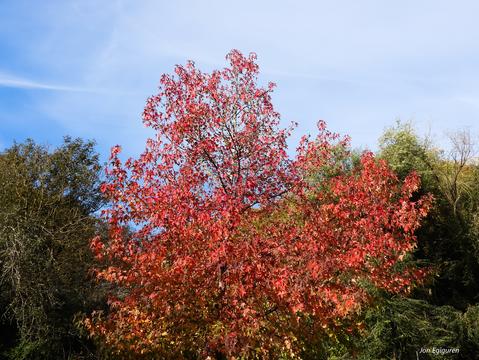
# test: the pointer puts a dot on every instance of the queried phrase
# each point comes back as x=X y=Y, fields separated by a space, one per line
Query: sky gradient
x=85 y=68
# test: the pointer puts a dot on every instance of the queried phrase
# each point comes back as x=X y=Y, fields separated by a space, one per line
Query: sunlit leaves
x=235 y=248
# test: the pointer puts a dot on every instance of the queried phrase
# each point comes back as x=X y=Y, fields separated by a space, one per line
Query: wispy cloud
x=10 y=81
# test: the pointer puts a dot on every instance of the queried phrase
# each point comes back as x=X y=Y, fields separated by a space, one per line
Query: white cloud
x=22 y=83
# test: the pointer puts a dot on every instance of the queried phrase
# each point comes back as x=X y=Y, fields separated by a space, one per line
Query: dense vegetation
x=443 y=312
x=48 y=201
x=215 y=244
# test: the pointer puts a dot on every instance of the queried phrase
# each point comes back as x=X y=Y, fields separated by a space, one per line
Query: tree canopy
x=233 y=250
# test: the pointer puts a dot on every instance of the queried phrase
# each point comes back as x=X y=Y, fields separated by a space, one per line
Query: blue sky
x=85 y=68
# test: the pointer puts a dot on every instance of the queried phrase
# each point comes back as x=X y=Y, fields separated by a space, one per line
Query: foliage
x=442 y=313
x=404 y=151
x=398 y=328
x=236 y=250
x=448 y=237
x=47 y=202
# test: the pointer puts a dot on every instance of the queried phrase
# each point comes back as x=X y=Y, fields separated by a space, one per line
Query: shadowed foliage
x=47 y=204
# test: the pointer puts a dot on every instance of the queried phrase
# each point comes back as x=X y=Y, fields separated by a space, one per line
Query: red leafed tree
x=233 y=248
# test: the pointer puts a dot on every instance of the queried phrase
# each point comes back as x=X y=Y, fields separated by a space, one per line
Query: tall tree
x=236 y=249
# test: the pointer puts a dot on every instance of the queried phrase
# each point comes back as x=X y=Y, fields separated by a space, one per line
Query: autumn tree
x=234 y=248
